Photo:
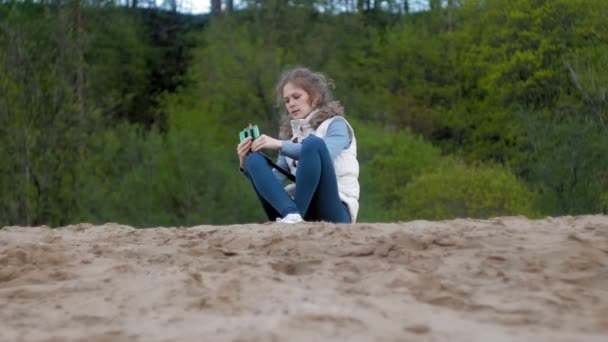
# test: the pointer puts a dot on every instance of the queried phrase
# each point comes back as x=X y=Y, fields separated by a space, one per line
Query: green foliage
x=566 y=163
x=230 y=84
x=42 y=131
x=117 y=56
x=588 y=69
x=388 y=161
x=411 y=77
x=511 y=55
x=404 y=178
x=456 y=190
x=147 y=179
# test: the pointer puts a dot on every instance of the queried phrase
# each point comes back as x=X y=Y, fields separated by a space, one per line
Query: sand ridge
x=502 y=279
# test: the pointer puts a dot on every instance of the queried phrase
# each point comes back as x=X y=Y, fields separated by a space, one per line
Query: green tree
x=43 y=131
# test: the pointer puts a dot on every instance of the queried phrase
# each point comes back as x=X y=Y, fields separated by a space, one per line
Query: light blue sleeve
x=291 y=149
x=337 y=139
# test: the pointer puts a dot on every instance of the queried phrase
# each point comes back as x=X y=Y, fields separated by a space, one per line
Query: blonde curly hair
x=317 y=86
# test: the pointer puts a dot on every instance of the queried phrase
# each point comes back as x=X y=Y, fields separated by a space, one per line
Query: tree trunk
x=80 y=79
x=434 y=5
x=80 y=65
x=377 y=4
x=216 y=7
x=450 y=13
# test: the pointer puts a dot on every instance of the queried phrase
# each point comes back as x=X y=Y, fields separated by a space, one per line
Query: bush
x=457 y=190
x=388 y=161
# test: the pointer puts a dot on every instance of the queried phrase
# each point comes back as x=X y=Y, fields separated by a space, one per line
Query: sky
x=203 y=6
x=195 y=6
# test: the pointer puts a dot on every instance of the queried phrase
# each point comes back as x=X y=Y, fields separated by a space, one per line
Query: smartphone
x=251 y=131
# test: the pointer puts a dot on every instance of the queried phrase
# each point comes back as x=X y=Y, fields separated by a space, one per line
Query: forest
x=129 y=112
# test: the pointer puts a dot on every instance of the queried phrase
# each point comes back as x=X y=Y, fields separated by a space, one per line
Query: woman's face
x=297 y=101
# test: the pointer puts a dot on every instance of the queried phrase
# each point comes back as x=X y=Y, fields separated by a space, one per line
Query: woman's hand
x=264 y=142
x=243 y=150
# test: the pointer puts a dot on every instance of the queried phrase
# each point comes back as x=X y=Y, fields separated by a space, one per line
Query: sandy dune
x=504 y=279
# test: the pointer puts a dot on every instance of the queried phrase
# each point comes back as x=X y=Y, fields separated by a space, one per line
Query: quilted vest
x=345 y=163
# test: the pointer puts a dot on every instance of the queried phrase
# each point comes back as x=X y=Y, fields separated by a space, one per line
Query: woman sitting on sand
x=317 y=145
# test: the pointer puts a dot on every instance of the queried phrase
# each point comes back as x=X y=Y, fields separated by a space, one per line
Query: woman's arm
x=337 y=139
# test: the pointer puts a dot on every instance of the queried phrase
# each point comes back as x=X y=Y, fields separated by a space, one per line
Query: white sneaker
x=291 y=218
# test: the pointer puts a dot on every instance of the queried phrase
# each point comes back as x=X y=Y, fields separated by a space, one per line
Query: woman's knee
x=312 y=142
x=254 y=160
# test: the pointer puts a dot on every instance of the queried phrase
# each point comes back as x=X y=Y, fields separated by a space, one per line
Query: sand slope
x=504 y=279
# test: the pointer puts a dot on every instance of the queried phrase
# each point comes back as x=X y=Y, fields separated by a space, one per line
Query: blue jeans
x=316 y=197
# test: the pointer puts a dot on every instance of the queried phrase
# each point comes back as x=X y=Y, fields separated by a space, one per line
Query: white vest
x=345 y=163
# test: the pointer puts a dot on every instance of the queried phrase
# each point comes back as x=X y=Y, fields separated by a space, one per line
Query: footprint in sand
x=295 y=268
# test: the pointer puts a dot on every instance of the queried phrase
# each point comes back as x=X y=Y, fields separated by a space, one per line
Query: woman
x=317 y=145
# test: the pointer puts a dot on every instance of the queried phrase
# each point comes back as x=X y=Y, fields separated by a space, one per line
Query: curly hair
x=318 y=87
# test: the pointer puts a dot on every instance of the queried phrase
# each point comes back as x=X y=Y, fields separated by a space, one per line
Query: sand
x=503 y=279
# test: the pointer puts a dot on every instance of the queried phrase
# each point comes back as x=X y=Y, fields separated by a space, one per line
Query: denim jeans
x=316 y=197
